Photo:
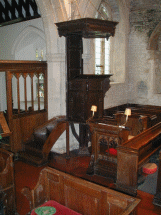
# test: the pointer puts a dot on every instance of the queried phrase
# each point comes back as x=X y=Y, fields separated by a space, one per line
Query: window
x=40 y=88
x=102 y=56
x=102 y=46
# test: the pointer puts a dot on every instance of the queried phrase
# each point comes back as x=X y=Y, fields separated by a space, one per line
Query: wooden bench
x=144 y=139
x=103 y=138
x=157 y=196
x=136 y=152
x=79 y=195
x=7 y=185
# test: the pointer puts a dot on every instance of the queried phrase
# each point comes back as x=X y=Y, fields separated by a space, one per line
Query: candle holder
x=93 y=109
x=127 y=113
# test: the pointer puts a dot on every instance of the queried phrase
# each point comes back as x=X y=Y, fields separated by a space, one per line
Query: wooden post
x=45 y=89
x=67 y=140
x=9 y=104
x=38 y=91
x=157 y=196
x=127 y=171
x=32 y=91
x=25 y=91
x=18 y=91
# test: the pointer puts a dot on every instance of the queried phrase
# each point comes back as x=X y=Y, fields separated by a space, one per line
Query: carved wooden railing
x=22 y=121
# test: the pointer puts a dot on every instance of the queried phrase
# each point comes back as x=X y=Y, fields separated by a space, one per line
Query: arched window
x=102 y=56
x=102 y=46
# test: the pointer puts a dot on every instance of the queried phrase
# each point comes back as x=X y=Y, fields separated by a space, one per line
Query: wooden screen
x=26 y=95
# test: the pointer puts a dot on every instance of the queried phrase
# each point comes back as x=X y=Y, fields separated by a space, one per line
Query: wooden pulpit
x=83 y=91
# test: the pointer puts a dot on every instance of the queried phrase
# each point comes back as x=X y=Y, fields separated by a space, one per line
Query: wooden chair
x=7 y=186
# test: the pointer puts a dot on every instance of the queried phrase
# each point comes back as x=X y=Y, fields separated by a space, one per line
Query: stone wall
x=144 y=19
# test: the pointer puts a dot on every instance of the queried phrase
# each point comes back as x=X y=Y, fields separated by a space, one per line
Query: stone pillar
x=56 y=85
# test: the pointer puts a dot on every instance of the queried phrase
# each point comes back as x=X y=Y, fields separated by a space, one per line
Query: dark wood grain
x=79 y=195
x=157 y=196
x=134 y=148
x=7 y=185
x=87 y=28
x=21 y=123
x=5 y=129
x=83 y=91
x=37 y=146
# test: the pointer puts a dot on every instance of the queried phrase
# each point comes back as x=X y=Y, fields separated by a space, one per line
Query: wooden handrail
x=24 y=68
x=142 y=139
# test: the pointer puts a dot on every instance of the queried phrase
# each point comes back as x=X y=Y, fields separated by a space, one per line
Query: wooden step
x=32 y=159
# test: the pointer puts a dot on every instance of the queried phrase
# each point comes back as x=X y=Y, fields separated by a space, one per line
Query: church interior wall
x=132 y=63
x=56 y=61
x=8 y=36
x=143 y=63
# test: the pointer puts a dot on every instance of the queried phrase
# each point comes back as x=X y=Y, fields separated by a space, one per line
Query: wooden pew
x=133 y=154
x=157 y=196
x=7 y=185
x=103 y=137
x=79 y=195
x=4 y=132
x=152 y=112
x=110 y=133
x=136 y=123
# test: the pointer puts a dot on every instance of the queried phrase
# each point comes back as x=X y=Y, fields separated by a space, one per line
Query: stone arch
x=154 y=46
x=29 y=33
x=51 y=13
x=154 y=38
x=88 y=8
x=55 y=11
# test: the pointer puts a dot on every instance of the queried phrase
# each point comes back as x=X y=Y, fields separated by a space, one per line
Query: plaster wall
x=20 y=42
x=8 y=38
x=3 y=104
